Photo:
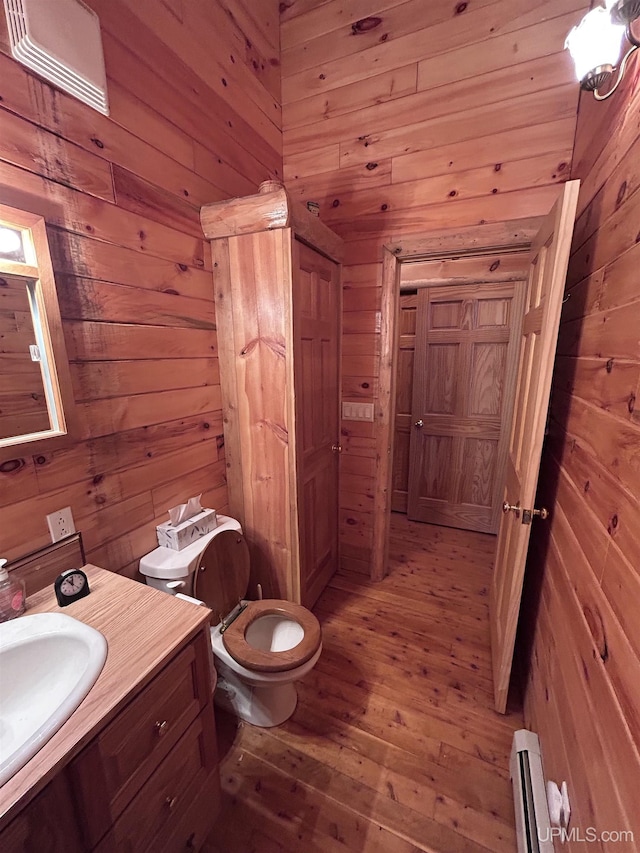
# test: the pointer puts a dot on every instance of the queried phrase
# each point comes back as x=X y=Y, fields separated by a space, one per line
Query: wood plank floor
x=394 y=747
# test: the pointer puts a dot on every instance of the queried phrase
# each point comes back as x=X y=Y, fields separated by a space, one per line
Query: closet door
x=464 y=376
x=316 y=333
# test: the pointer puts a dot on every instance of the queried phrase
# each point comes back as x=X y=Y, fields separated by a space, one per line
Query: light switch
x=357 y=411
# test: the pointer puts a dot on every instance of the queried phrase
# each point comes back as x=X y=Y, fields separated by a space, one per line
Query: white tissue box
x=179 y=536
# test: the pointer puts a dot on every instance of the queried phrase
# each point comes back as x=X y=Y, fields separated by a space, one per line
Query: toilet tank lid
x=167 y=564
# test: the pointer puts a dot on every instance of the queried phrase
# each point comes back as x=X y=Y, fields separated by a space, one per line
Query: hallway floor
x=394 y=747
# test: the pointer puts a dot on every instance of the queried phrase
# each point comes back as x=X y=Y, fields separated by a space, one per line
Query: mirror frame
x=39 y=268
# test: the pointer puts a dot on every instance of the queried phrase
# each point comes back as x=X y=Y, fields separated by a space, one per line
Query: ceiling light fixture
x=596 y=42
x=11 y=244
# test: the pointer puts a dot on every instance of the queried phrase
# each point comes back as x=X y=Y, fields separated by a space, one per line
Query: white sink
x=48 y=664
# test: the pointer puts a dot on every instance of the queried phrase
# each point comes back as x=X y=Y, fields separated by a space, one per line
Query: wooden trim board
x=268 y=211
x=42 y=567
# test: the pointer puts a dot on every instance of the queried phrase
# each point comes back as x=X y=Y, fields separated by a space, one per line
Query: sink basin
x=48 y=664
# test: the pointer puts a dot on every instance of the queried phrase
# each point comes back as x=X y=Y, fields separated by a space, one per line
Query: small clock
x=70 y=586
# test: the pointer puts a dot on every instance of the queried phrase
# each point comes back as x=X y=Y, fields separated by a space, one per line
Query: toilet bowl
x=261 y=648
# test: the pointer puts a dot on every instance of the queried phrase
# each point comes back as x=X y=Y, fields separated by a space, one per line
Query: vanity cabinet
x=147 y=778
x=47 y=825
x=278 y=294
x=136 y=779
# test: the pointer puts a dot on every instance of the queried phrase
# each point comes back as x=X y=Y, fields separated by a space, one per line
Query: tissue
x=183 y=512
x=187 y=523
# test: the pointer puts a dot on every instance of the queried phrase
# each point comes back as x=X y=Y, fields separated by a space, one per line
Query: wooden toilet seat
x=221 y=580
x=234 y=637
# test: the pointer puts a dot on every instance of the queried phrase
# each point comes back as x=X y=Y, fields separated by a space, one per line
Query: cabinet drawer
x=108 y=774
x=194 y=826
x=164 y=802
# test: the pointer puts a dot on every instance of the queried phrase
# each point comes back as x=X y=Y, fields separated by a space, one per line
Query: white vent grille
x=60 y=40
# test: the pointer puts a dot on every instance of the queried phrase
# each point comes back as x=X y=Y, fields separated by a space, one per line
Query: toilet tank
x=172 y=571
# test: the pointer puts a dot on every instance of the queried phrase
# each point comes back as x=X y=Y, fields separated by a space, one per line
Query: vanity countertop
x=142 y=626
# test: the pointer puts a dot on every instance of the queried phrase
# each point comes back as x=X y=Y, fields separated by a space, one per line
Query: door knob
x=419 y=423
x=529 y=514
x=507 y=507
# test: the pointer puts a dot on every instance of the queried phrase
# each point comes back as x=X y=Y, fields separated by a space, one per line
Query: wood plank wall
x=582 y=596
x=400 y=118
x=194 y=87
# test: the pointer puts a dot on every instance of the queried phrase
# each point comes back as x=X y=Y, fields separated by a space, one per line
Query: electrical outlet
x=61 y=524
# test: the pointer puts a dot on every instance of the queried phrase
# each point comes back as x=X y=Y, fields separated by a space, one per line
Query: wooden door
x=316 y=331
x=404 y=386
x=547 y=272
x=464 y=378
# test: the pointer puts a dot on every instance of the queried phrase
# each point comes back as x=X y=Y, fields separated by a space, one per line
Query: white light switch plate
x=357 y=411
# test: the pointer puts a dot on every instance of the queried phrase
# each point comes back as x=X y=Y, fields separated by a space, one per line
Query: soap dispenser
x=12 y=595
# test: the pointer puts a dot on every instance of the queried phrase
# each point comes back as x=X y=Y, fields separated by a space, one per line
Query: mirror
x=23 y=402
x=36 y=400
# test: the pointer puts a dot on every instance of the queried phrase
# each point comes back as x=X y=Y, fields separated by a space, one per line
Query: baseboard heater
x=533 y=828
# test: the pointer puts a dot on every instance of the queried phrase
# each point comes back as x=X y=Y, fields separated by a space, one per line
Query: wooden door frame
x=512 y=235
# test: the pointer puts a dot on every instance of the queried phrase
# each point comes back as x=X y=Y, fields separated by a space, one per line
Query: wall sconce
x=596 y=42
x=11 y=245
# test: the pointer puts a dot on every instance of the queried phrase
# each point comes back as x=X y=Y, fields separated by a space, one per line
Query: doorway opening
x=444 y=251
x=459 y=321
x=545 y=281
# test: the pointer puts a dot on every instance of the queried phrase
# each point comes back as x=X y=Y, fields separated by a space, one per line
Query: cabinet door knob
x=337 y=448
x=170 y=802
x=419 y=423
x=161 y=727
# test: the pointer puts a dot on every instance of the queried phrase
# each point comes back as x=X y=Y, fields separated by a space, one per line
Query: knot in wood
x=596 y=629
x=365 y=25
x=11 y=466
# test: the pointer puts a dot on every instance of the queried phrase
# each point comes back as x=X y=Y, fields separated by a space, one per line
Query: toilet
x=261 y=648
